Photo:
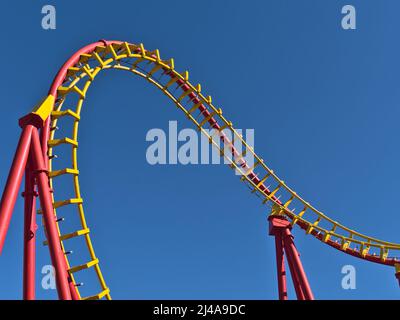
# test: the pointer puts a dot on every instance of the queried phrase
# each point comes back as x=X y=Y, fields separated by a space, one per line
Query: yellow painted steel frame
x=150 y=66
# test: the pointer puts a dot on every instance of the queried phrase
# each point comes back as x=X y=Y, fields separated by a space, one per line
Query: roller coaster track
x=65 y=102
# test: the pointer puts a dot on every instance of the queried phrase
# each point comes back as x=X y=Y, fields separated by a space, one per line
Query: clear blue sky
x=324 y=104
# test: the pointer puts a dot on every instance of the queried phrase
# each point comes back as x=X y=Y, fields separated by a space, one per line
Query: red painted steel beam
x=56 y=252
x=30 y=228
x=14 y=182
x=295 y=278
x=280 y=227
x=277 y=225
x=294 y=256
x=280 y=263
x=72 y=289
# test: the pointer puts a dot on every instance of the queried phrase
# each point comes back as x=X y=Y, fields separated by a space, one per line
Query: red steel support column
x=30 y=228
x=56 y=253
x=276 y=226
x=14 y=182
x=280 y=227
x=295 y=278
x=291 y=252
x=280 y=264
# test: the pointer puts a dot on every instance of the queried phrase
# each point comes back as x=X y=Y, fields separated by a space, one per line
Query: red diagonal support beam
x=291 y=252
x=13 y=184
x=295 y=279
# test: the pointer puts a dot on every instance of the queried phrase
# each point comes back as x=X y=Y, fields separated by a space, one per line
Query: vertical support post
x=280 y=263
x=292 y=252
x=14 y=182
x=30 y=228
x=56 y=252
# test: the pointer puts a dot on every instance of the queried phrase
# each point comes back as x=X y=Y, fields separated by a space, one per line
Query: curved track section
x=70 y=88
